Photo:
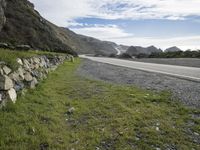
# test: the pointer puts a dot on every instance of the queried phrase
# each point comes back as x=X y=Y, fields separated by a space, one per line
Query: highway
x=190 y=73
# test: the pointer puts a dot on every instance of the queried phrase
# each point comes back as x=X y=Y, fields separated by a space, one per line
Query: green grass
x=106 y=116
x=10 y=56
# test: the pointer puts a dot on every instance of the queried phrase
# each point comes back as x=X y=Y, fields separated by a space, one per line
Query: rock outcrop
x=173 y=49
x=136 y=50
x=29 y=73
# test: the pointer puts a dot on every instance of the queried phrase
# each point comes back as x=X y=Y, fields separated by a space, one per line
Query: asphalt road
x=191 y=73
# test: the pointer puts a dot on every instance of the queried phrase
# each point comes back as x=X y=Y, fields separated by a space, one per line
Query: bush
x=125 y=55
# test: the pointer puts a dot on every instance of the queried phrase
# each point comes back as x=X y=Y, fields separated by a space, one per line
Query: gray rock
x=28 y=77
x=4 y=45
x=71 y=110
x=23 y=47
x=19 y=86
x=1 y=72
x=19 y=61
x=26 y=64
x=6 y=70
x=33 y=83
x=5 y=83
x=12 y=95
x=14 y=76
x=21 y=72
x=36 y=60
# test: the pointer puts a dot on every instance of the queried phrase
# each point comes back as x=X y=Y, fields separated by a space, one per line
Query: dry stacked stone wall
x=29 y=73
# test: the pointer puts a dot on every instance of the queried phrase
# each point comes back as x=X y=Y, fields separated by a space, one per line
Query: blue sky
x=163 y=23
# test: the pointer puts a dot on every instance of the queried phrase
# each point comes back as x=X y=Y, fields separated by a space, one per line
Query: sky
x=163 y=23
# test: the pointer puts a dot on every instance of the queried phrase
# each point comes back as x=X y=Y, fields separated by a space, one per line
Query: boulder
x=12 y=95
x=6 y=70
x=5 y=83
x=28 y=77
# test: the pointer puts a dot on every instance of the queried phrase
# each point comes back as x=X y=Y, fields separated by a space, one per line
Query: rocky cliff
x=25 y=26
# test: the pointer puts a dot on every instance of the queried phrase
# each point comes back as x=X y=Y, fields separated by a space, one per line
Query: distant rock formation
x=173 y=49
x=136 y=50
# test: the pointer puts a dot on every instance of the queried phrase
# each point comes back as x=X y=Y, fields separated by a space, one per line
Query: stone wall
x=30 y=72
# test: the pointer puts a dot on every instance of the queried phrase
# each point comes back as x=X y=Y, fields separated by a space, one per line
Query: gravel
x=190 y=62
x=188 y=92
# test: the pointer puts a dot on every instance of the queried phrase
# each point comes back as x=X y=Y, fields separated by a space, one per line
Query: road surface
x=191 y=73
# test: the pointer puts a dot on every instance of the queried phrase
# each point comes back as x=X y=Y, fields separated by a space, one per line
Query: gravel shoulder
x=189 y=62
x=186 y=91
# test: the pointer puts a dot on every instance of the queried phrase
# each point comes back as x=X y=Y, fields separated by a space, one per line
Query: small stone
x=44 y=146
x=1 y=72
x=158 y=148
x=19 y=61
x=71 y=110
x=12 y=95
x=6 y=83
x=157 y=129
x=97 y=148
x=28 y=77
x=26 y=64
x=21 y=71
x=6 y=70
x=195 y=133
x=33 y=83
x=1 y=97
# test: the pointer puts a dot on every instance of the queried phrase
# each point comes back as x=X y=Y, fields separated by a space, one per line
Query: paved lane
x=191 y=73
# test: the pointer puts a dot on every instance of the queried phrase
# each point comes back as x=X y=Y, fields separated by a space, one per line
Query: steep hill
x=136 y=50
x=20 y=23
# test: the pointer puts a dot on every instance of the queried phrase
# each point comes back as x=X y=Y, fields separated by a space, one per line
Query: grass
x=10 y=56
x=106 y=117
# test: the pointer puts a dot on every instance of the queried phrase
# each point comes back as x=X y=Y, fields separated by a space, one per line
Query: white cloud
x=65 y=12
x=118 y=35
x=103 y=32
x=62 y=11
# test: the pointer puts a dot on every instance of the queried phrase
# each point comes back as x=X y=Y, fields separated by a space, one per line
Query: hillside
x=21 y=24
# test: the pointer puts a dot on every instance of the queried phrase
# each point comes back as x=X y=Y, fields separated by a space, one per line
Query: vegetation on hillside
x=70 y=112
x=178 y=54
